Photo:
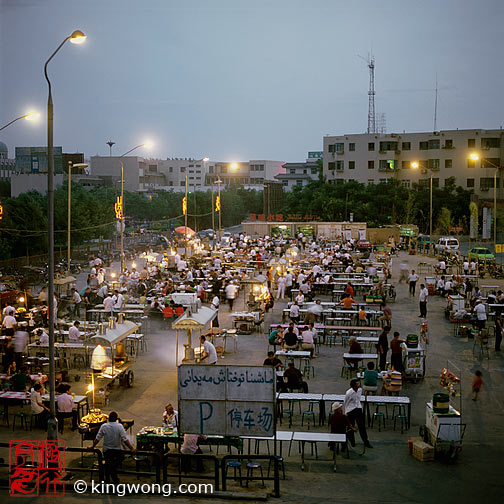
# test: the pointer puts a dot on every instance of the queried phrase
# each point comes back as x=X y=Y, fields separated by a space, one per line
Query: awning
x=195 y=320
x=114 y=336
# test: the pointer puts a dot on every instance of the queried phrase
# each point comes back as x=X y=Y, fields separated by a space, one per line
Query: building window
x=211 y=169
x=170 y=170
x=182 y=169
x=406 y=183
x=406 y=146
x=470 y=182
x=299 y=182
x=490 y=143
x=305 y=171
x=471 y=163
x=292 y=171
x=486 y=183
x=370 y=181
x=370 y=165
x=370 y=146
x=331 y=166
x=424 y=145
x=388 y=146
x=434 y=144
x=351 y=147
x=490 y=162
x=448 y=144
x=351 y=165
x=314 y=171
x=340 y=165
x=340 y=147
x=448 y=163
x=331 y=148
x=340 y=181
x=405 y=165
x=471 y=143
x=387 y=165
x=433 y=164
x=435 y=182
x=382 y=181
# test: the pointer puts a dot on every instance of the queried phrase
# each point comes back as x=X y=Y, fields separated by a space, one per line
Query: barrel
x=441 y=403
x=412 y=340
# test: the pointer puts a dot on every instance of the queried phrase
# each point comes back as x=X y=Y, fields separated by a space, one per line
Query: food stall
x=110 y=360
x=192 y=320
x=413 y=357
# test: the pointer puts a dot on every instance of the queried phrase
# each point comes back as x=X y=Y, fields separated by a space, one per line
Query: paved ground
x=387 y=473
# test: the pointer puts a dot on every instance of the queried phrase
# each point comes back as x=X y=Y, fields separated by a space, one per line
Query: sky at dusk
x=245 y=79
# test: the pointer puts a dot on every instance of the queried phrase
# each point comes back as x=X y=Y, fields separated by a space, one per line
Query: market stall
x=110 y=360
x=192 y=320
x=413 y=357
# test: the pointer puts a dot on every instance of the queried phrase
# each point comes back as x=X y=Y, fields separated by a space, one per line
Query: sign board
x=226 y=400
x=315 y=154
x=362 y=234
x=351 y=217
x=348 y=234
x=499 y=248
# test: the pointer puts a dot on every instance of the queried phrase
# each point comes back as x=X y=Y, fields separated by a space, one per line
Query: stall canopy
x=114 y=336
x=64 y=281
x=195 y=320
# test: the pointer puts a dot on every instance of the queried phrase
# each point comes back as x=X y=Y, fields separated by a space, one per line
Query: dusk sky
x=245 y=79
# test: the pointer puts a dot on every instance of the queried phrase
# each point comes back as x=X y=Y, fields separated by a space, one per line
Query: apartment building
x=375 y=158
x=251 y=173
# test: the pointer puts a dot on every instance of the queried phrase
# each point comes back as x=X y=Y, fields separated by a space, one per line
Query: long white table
x=317 y=437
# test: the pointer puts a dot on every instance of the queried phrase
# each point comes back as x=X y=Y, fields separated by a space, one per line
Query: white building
x=375 y=158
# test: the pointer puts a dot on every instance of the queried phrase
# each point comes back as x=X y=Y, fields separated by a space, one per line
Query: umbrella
x=185 y=231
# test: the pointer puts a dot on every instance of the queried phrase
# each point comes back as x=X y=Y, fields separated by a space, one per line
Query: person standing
x=413 y=279
x=215 y=305
x=208 y=351
x=230 y=291
x=498 y=331
x=481 y=315
x=383 y=347
x=353 y=409
x=281 y=287
x=113 y=435
x=396 y=352
x=424 y=294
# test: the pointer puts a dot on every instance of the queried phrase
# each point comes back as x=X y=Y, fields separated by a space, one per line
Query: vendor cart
x=110 y=361
x=414 y=361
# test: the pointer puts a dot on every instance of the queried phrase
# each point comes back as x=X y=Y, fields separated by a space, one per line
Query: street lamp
x=76 y=37
x=474 y=156
x=80 y=166
x=148 y=145
x=32 y=116
x=415 y=165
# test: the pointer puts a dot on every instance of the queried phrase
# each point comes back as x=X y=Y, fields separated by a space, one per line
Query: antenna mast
x=435 y=108
x=371 y=118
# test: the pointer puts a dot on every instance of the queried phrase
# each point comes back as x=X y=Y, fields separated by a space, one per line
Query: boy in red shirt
x=477 y=383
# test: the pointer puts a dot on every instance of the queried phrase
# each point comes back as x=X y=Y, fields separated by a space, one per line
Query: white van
x=446 y=243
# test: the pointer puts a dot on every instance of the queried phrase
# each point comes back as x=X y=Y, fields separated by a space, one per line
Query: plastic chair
x=168 y=313
x=251 y=466
x=23 y=419
x=179 y=311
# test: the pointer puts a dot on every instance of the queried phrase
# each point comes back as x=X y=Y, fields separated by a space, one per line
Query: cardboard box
x=423 y=451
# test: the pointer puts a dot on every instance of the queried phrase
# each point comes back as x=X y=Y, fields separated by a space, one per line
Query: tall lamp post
x=32 y=116
x=80 y=166
x=416 y=164
x=76 y=37
x=121 y=219
x=474 y=156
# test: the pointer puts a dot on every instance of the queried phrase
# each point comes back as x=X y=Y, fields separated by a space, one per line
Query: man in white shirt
x=119 y=300
x=424 y=294
x=208 y=351
x=73 y=333
x=299 y=298
x=352 y=408
x=20 y=342
x=9 y=324
x=281 y=287
x=43 y=337
x=465 y=265
x=231 y=291
x=481 y=315
x=308 y=340
x=101 y=293
x=108 y=304
x=66 y=409
x=215 y=305
x=440 y=286
x=413 y=279
x=113 y=435
x=37 y=406
x=75 y=304
x=294 y=313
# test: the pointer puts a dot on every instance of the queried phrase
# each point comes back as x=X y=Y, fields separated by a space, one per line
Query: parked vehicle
x=481 y=254
x=446 y=243
x=424 y=242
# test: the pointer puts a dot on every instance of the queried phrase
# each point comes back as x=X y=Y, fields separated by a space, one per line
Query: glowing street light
x=31 y=116
x=474 y=156
x=76 y=37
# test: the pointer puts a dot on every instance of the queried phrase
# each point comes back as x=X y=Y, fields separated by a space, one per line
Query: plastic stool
x=282 y=465
x=236 y=465
x=401 y=415
x=309 y=413
x=22 y=417
x=250 y=472
x=346 y=371
x=138 y=460
x=379 y=415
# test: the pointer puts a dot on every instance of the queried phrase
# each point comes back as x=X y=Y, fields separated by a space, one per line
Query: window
x=299 y=182
x=405 y=165
x=314 y=171
x=382 y=181
x=387 y=165
x=433 y=164
x=351 y=165
x=182 y=169
x=406 y=183
x=170 y=170
x=471 y=143
x=490 y=143
x=370 y=181
x=339 y=181
x=406 y=146
x=340 y=147
x=305 y=171
x=370 y=165
x=424 y=145
x=448 y=144
x=211 y=169
x=471 y=163
x=340 y=165
x=434 y=144
x=370 y=146
x=435 y=182
x=191 y=171
x=486 y=183
x=292 y=171
x=490 y=162
x=171 y=182
x=331 y=166
x=448 y=163
x=351 y=147
x=260 y=167
x=388 y=146
x=331 y=148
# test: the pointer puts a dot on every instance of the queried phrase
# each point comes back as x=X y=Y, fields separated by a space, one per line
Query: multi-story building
x=7 y=166
x=375 y=158
x=300 y=174
x=251 y=173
